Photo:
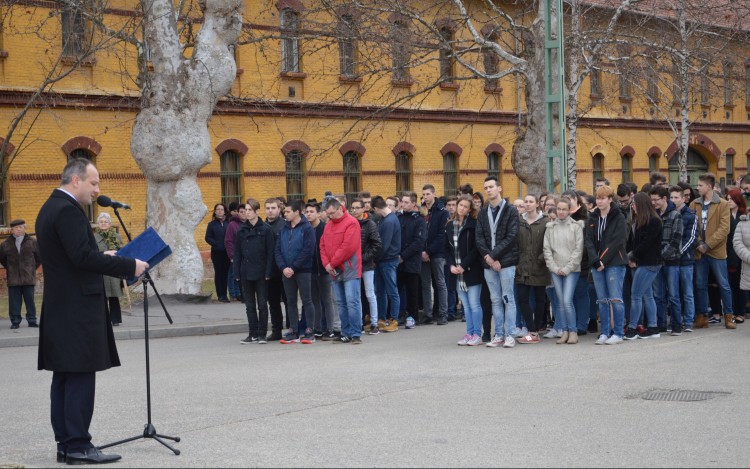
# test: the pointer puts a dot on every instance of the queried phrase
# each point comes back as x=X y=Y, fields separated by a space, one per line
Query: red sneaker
x=640 y=329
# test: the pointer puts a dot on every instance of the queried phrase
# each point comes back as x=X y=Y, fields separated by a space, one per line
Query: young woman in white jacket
x=563 y=251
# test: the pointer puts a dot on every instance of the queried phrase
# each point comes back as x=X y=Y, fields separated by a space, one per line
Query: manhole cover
x=681 y=396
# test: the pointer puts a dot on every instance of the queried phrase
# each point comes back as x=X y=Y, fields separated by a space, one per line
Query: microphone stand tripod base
x=148 y=432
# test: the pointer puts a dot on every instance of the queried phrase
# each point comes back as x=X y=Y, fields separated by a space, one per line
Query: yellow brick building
x=305 y=127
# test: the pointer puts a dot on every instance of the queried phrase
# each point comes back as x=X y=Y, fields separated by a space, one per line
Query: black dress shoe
x=14 y=326
x=426 y=320
x=275 y=335
x=442 y=320
x=33 y=324
x=581 y=332
x=61 y=456
x=91 y=456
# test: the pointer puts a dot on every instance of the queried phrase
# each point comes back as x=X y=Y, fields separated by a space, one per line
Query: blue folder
x=148 y=247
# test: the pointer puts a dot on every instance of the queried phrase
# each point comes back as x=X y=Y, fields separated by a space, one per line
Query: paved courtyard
x=411 y=398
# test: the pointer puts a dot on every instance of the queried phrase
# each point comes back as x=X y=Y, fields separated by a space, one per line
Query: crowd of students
x=625 y=264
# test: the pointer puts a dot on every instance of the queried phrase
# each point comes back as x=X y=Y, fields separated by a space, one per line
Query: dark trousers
x=257 y=317
x=411 y=282
x=739 y=296
x=532 y=316
x=299 y=283
x=275 y=296
x=72 y=404
x=16 y=297
x=221 y=272
x=115 y=311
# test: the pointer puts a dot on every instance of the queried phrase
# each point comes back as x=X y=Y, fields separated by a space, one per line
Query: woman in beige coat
x=563 y=251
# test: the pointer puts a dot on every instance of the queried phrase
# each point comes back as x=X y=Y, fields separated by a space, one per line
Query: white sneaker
x=614 y=340
x=602 y=340
x=552 y=334
x=475 y=340
x=465 y=340
x=559 y=334
x=497 y=341
x=510 y=342
x=523 y=332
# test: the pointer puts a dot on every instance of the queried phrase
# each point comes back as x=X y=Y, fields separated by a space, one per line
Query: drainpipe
x=518 y=100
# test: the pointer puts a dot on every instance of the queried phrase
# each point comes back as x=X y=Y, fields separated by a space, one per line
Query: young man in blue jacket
x=294 y=253
x=433 y=258
x=386 y=262
x=687 y=259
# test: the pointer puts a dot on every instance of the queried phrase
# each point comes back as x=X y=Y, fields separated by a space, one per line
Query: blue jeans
x=368 y=278
x=385 y=287
x=581 y=303
x=349 y=299
x=719 y=268
x=608 y=284
x=472 y=309
x=686 y=296
x=503 y=300
x=565 y=288
x=642 y=295
x=667 y=292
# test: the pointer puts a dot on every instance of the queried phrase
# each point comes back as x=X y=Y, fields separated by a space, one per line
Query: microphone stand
x=148 y=430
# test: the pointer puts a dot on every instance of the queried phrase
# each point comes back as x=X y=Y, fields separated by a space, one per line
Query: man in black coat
x=76 y=338
x=497 y=241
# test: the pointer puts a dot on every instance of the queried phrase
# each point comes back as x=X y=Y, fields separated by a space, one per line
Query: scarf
x=494 y=222
x=457 y=228
x=113 y=244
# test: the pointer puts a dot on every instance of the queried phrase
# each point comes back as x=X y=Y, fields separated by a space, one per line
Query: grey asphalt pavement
x=407 y=399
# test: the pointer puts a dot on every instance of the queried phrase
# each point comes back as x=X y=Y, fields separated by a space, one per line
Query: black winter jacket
x=371 y=245
x=413 y=236
x=435 y=245
x=317 y=266
x=254 y=251
x=644 y=244
x=467 y=248
x=276 y=226
x=506 y=236
x=215 y=234
x=606 y=238
x=733 y=260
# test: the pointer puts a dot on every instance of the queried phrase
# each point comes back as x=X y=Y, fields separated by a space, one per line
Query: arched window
x=89 y=209
x=598 y=167
x=493 y=164
x=653 y=163
x=627 y=168
x=403 y=173
x=231 y=177
x=352 y=176
x=290 y=41
x=450 y=174
x=447 y=61
x=295 y=175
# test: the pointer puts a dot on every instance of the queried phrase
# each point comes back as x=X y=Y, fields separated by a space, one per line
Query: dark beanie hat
x=233 y=206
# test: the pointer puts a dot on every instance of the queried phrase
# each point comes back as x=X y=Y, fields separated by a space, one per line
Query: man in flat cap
x=19 y=254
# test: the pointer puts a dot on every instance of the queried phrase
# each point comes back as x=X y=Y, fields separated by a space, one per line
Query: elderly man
x=19 y=254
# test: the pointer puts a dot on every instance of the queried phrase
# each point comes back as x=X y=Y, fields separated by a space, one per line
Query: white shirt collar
x=71 y=195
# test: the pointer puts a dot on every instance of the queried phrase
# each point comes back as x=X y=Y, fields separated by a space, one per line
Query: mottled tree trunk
x=530 y=149
x=170 y=140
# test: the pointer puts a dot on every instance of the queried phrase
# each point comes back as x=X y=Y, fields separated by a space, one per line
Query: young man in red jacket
x=341 y=253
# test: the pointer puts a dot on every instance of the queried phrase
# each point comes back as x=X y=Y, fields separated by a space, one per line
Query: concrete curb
x=154 y=333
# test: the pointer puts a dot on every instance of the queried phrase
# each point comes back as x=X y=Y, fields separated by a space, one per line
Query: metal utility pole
x=552 y=99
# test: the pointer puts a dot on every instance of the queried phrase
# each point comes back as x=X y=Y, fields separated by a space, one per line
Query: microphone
x=105 y=201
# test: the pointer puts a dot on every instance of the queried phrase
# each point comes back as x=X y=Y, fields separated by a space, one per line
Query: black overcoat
x=75 y=332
